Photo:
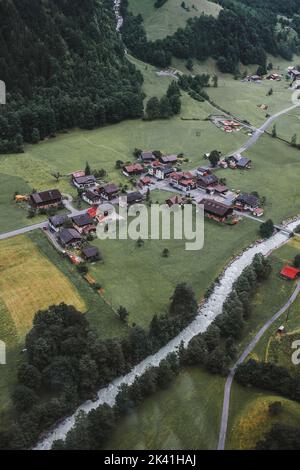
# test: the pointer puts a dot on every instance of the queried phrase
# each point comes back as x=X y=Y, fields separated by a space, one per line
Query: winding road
x=245 y=354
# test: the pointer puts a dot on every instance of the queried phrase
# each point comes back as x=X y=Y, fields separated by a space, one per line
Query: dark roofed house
x=45 y=199
x=83 y=182
x=83 y=223
x=205 y=181
x=168 y=159
x=237 y=161
x=216 y=210
x=91 y=253
x=134 y=169
x=247 y=202
x=110 y=191
x=134 y=197
x=147 y=157
x=56 y=222
x=69 y=237
x=91 y=197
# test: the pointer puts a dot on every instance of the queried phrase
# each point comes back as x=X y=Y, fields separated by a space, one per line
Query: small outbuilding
x=91 y=253
x=290 y=273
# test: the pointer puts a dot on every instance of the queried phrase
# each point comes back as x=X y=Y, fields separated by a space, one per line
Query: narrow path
x=245 y=354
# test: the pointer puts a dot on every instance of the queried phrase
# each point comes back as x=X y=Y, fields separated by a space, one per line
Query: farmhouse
x=85 y=181
x=134 y=169
x=290 y=273
x=45 y=199
x=247 y=202
x=90 y=253
x=83 y=223
x=168 y=159
x=237 y=161
x=161 y=172
x=134 y=197
x=147 y=157
x=145 y=181
x=91 y=197
x=175 y=200
x=206 y=181
x=216 y=210
x=203 y=171
x=56 y=222
x=69 y=237
x=109 y=192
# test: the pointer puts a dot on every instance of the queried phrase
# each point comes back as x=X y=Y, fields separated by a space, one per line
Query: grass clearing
x=185 y=416
x=164 y=21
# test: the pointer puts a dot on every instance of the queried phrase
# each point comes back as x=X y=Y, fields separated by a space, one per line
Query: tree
x=35 y=136
x=189 y=64
x=87 y=169
x=275 y=408
x=56 y=175
x=152 y=109
x=297 y=261
x=266 y=229
x=214 y=158
x=294 y=141
x=165 y=253
x=215 y=80
x=24 y=398
x=29 y=376
x=184 y=303
x=165 y=108
x=274 y=131
x=140 y=242
x=119 y=164
x=123 y=313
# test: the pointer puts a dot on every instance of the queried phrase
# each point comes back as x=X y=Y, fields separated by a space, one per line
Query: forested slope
x=64 y=66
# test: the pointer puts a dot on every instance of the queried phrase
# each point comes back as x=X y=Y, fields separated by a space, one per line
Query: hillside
x=164 y=21
x=64 y=66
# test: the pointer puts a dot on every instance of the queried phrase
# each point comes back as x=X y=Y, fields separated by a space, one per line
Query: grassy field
x=164 y=21
x=250 y=418
x=143 y=281
x=185 y=416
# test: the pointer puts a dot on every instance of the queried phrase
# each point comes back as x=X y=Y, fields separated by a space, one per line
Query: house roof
x=46 y=196
x=90 y=251
x=243 y=161
x=82 y=220
x=134 y=167
x=145 y=180
x=57 y=220
x=248 y=199
x=174 y=200
x=168 y=158
x=111 y=188
x=134 y=196
x=92 y=211
x=220 y=188
x=290 y=272
x=92 y=196
x=147 y=156
x=84 y=179
x=208 y=180
x=215 y=207
x=69 y=234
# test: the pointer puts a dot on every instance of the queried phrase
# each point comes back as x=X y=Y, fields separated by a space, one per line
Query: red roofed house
x=289 y=272
x=145 y=181
x=134 y=169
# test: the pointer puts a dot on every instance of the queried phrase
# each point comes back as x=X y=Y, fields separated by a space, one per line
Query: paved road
x=247 y=351
x=258 y=133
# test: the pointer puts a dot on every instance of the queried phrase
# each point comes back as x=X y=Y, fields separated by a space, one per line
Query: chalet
x=83 y=223
x=187 y=185
x=132 y=170
x=237 y=161
x=90 y=253
x=69 y=237
x=82 y=182
x=203 y=171
x=253 y=78
x=161 y=172
x=110 y=191
x=45 y=199
x=290 y=273
x=216 y=210
x=56 y=222
x=91 y=197
x=204 y=182
x=168 y=159
x=147 y=157
x=247 y=202
x=294 y=73
x=274 y=77
x=175 y=200
x=145 y=181
x=134 y=198
x=220 y=188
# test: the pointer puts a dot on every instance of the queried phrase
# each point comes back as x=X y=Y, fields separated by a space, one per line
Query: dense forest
x=64 y=66
x=245 y=31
